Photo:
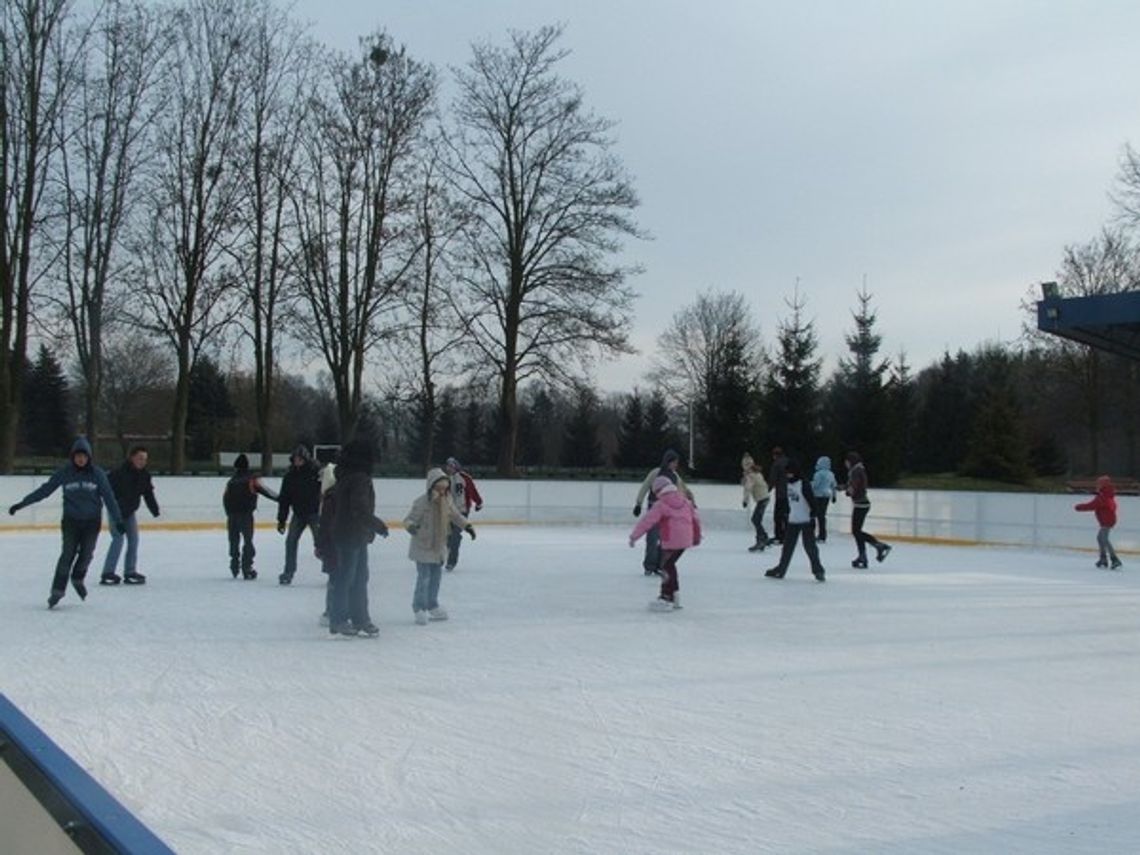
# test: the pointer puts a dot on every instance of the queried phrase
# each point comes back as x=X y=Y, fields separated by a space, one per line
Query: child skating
x=1103 y=504
x=680 y=528
x=429 y=523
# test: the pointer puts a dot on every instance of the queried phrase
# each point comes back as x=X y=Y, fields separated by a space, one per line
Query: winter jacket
x=857 y=485
x=464 y=493
x=429 y=524
x=300 y=490
x=1103 y=503
x=755 y=487
x=132 y=486
x=778 y=475
x=355 y=523
x=240 y=495
x=676 y=518
x=667 y=471
x=85 y=489
x=823 y=484
x=800 y=499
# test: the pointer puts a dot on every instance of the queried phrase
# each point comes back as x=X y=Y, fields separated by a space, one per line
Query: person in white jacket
x=428 y=522
x=755 y=490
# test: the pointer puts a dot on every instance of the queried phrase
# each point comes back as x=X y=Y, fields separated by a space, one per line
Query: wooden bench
x=1124 y=486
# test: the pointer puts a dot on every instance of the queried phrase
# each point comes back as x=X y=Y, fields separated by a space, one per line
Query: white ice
x=948 y=700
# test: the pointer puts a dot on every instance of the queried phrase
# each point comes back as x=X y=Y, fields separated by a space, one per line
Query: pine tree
x=791 y=393
x=659 y=432
x=45 y=426
x=631 y=433
x=580 y=446
x=729 y=415
x=998 y=448
x=943 y=414
x=210 y=408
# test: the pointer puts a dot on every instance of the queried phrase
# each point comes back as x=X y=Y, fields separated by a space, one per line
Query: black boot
x=80 y=588
x=134 y=578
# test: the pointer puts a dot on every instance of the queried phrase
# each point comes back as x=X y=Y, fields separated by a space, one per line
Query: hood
x=823 y=464
x=746 y=462
x=81 y=445
x=672 y=498
x=668 y=457
x=663 y=486
x=435 y=474
x=302 y=453
x=1104 y=486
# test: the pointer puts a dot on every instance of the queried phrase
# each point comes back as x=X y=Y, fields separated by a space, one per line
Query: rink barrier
x=51 y=806
x=1034 y=520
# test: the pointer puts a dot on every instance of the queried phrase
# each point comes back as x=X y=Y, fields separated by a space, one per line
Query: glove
x=412 y=529
x=637 y=510
x=381 y=528
x=744 y=504
x=632 y=542
x=479 y=506
x=833 y=499
x=12 y=510
x=280 y=527
x=470 y=529
x=121 y=527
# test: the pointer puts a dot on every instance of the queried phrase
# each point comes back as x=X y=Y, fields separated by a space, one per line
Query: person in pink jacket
x=680 y=529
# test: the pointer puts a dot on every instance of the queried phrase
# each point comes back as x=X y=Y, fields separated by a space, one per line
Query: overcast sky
x=946 y=151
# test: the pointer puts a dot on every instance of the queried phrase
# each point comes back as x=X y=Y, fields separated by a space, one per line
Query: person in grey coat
x=428 y=522
x=85 y=491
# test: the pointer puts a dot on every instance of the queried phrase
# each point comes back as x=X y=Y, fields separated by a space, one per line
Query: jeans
x=239 y=529
x=807 y=532
x=858 y=515
x=130 y=563
x=297 y=526
x=348 y=595
x=819 y=513
x=426 y=595
x=1104 y=544
x=652 y=560
x=75 y=554
x=758 y=521
x=671 y=583
x=454 y=538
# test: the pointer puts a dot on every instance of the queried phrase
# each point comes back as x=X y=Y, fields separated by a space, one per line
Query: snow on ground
x=949 y=700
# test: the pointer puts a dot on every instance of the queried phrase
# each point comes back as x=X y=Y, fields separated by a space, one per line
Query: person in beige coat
x=428 y=522
x=755 y=490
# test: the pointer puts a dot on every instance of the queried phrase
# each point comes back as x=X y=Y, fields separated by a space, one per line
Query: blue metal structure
x=92 y=818
x=1109 y=322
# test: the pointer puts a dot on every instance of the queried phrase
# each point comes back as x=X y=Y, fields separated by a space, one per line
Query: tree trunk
x=508 y=424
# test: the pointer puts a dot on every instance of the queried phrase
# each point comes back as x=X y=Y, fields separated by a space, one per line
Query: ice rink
x=949 y=700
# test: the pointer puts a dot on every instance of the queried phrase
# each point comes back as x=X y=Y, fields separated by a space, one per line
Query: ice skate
x=859 y=563
x=110 y=579
x=758 y=546
x=661 y=605
x=1102 y=562
x=774 y=573
x=421 y=618
x=80 y=588
x=285 y=579
x=370 y=630
x=1116 y=564
x=343 y=630
x=56 y=596
x=438 y=613
x=882 y=552
x=134 y=579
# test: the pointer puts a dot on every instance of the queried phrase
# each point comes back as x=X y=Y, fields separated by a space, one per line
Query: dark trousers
x=239 y=529
x=75 y=554
x=651 y=561
x=780 y=517
x=348 y=587
x=819 y=514
x=758 y=521
x=861 y=537
x=297 y=526
x=807 y=532
x=670 y=582
x=454 y=538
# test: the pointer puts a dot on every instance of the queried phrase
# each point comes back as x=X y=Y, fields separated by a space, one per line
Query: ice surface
x=949 y=700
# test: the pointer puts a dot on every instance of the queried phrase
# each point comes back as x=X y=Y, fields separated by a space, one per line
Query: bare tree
x=280 y=66
x=137 y=369
x=357 y=210
x=106 y=136
x=548 y=204
x=33 y=85
x=185 y=283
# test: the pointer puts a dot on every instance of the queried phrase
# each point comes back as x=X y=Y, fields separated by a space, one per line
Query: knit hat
x=453 y=463
x=302 y=453
x=662 y=485
x=241 y=463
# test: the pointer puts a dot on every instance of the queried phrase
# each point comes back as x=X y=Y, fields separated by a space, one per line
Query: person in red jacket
x=465 y=496
x=680 y=529
x=1104 y=505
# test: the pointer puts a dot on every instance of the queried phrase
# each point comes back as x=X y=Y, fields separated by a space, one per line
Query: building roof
x=1109 y=322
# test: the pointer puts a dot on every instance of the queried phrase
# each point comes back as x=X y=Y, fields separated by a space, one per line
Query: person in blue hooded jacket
x=85 y=490
x=823 y=489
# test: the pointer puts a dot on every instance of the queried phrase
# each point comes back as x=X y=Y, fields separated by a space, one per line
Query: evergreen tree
x=446 y=426
x=538 y=431
x=659 y=431
x=791 y=394
x=729 y=415
x=631 y=433
x=580 y=446
x=210 y=410
x=860 y=404
x=998 y=448
x=943 y=414
x=45 y=424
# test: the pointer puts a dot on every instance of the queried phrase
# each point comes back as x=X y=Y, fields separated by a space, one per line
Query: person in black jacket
x=800 y=523
x=354 y=525
x=301 y=491
x=778 y=484
x=240 y=501
x=132 y=485
x=85 y=491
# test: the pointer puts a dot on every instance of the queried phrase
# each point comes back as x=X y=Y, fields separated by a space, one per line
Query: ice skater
x=778 y=484
x=239 y=500
x=465 y=496
x=670 y=462
x=132 y=485
x=429 y=522
x=861 y=506
x=800 y=525
x=675 y=519
x=1104 y=505
x=755 y=490
x=301 y=492
x=823 y=489
x=85 y=491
